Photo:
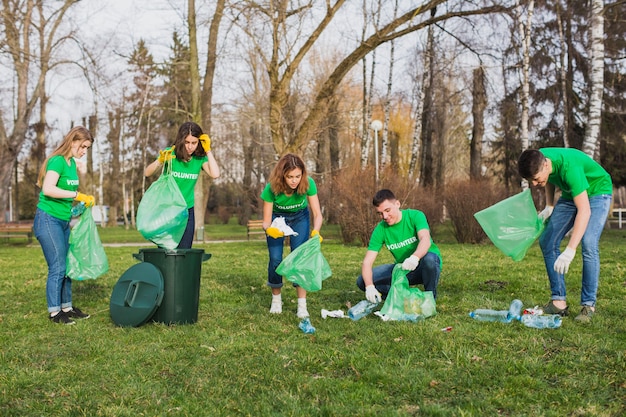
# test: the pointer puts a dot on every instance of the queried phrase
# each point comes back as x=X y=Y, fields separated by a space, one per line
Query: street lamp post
x=376 y=125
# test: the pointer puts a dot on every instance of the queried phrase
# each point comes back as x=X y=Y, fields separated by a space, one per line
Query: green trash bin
x=181 y=270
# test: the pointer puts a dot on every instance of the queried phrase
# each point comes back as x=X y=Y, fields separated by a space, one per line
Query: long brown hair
x=77 y=133
x=186 y=129
x=288 y=163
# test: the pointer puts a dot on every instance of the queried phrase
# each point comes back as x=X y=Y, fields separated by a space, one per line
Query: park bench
x=255 y=227
x=15 y=229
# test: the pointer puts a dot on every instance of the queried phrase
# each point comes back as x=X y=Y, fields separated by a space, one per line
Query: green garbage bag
x=404 y=302
x=162 y=213
x=86 y=258
x=306 y=266
x=512 y=224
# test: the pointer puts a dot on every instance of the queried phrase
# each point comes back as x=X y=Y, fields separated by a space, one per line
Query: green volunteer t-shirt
x=401 y=238
x=574 y=171
x=288 y=203
x=186 y=175
x=68 y=180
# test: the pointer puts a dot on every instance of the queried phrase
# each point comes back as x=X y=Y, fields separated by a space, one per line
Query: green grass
x=240 y=360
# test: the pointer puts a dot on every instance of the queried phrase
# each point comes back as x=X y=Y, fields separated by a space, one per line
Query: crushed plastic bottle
x=485 y=314
x=502 y=316
x=515 y=310
x=361 y=309
x=78 y=209
x=544 y=321
x=306 y=327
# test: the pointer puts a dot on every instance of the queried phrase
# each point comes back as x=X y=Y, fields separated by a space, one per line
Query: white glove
x=410 y=263
x=562 y=262
x=545 y=213
x=372 y=294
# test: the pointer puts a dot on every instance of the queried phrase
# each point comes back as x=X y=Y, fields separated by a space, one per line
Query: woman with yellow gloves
x=190 y=155
x=289 y=194
x=58 y=179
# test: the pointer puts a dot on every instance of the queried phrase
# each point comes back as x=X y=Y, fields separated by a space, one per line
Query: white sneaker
x=276 y=307
x=302 y=312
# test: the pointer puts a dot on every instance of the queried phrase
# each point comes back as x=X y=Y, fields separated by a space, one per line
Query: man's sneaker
x=76 y=313
x=585 y=315
x=276 y=307
x=550 y=308
x=62 y=318
x=302 y=312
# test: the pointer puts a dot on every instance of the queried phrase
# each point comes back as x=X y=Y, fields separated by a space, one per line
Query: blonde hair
x=77 y=133
x=286 y=164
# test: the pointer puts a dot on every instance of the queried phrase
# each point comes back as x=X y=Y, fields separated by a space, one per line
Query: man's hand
x=89 y=200
x=205 y=141
x=410 y=263
x=274 y=232
x=166 y=155
x=562 y=262
x=546 y=213
x=372 y=294
x=316 y=233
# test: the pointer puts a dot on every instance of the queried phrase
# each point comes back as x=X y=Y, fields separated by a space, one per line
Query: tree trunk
x=525 y=34
x=479 y=103
x=596 y=80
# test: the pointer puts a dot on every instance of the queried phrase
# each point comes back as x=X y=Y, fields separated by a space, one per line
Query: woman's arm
x=314 y=204
x=150 y=169
x=268 y=208
x=50 y=188
x=211 y=167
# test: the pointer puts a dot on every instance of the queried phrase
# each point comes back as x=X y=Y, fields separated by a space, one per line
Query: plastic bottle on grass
x=306 y=327
x=78 y=209
x=515 y=310
x=361 y=309
x=485 y=314
x=544 y=321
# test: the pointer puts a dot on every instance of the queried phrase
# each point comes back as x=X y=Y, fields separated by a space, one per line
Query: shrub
x=353 y=190
x=463 y=199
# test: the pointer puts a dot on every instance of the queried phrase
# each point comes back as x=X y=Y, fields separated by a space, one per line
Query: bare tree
x=596 y=47
x=31 y=41
x=479 y=103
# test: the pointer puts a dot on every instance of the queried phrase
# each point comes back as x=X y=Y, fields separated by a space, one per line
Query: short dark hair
x=529 y=163
x=383 y=195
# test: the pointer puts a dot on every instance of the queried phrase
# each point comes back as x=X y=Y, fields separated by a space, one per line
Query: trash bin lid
x=137 y=295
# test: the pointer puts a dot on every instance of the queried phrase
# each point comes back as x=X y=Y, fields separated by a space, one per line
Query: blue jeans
x=54 y=237
x=300 y=222
x=561 y=221
x=187 y=240
x=426 y=273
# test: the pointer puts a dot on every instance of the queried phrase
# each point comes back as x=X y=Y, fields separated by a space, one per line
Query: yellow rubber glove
x=205 y=141
x=316 y=233
x=166 y=155
x=274 y=232
x=84 y=198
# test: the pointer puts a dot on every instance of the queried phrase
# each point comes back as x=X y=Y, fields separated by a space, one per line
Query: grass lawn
x=238 y=360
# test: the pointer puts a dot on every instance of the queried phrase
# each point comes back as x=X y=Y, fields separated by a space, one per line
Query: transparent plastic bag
x=306 y=266
x=162 y=213
x=86 y=258
x=404 y=302
x=512 y=224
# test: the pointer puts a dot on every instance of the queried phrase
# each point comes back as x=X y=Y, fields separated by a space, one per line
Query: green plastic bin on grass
x=181 y=270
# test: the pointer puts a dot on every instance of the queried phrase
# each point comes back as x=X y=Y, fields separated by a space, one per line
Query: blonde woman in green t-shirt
x=190 y=155
x=583 y=207
x=290 y=194
x=58 y=179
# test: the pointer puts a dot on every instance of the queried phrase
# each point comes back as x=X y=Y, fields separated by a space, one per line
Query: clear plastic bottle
x=543 y=321
x=515 y=310
x=361 y=309
x=485 y=314
x=306 y=327
x=78 y=209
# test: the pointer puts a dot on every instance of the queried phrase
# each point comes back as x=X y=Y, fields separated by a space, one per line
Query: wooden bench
x=13 y=229
x=255 y=227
